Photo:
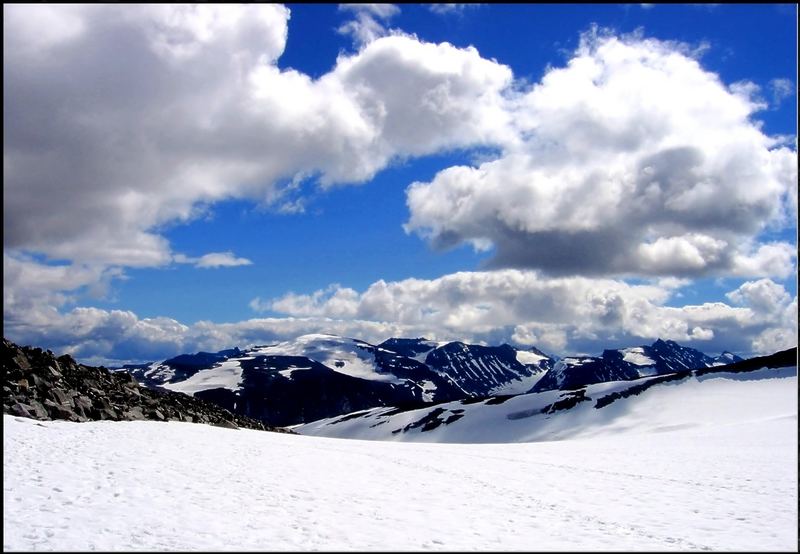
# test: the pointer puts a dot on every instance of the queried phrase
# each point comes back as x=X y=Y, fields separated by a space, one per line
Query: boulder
x=134 y=413
x=22 y=410
x=38 y=410
x=60 y=396
x=59 y=411
x=83 y=402
x=225 y=423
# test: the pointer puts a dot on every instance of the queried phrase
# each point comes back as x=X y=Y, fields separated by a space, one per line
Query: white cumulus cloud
x=213 y=260
x=634 y=161
x=369 y=22
x=127 y=118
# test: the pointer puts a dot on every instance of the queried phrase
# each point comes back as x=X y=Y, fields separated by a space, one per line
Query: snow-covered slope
x=652 y=403
x=709 y=465
x=659 y=358
x=351 y=357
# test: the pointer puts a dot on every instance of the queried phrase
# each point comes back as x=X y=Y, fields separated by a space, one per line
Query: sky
x=571 y=177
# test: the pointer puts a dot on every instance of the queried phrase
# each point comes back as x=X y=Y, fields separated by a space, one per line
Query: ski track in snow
x=180 y=486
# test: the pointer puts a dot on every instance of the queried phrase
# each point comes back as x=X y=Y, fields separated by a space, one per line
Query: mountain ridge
x=321 y=375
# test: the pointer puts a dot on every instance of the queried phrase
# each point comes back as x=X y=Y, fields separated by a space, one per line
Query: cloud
x=368 y=24
x=560 y=316
x=33 y=291
x=449 y=9
x=763 y=296
x=630 y=160
x=576 y=313
x=130 y=118
x=781 y=90
x=213 y=260
x=634 y=160
x=667 y=153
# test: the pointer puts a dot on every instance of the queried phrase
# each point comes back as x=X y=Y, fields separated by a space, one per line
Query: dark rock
x=134 y=413
x=59 y=411
x=60 y=396
x=225 y=423
x=22 y=361
x=83 y=402
x=41 y=386
x=21 y=410
x=38 y=410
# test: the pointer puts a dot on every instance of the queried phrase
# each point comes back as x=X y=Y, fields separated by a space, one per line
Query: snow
x=637 y=356
x=157 y=370
x=288 y=372
x=226 y=375
x=428 y=390
x=521 y=385
x=708 y=463
x=526 y=357
x=339 y=354
x=724 y=359
x=711 y=399
x=431 y=345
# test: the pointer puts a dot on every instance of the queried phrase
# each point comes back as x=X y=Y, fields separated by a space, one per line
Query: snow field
x=227 y=375
x=180 y=486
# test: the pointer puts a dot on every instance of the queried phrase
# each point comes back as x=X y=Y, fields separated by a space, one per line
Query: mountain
x=659 y=358
x=411 y=348
x=558 y=414
x=320 y=376
x=316 y=376
x=39 y=385
x=477 y=370
x=481 y=370
x=304 y=379
x=726 y=358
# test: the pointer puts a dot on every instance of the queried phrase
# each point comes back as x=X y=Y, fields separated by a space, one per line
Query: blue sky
x=223 y=176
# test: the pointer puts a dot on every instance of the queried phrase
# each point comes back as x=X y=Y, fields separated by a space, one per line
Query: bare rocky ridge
x=39 y=385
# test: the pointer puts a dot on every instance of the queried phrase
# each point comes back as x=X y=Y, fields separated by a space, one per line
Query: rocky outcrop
x=39 y=385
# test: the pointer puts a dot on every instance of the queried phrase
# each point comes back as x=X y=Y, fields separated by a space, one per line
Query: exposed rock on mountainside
x=39 y=385
x=660 y=358
x=316 y=376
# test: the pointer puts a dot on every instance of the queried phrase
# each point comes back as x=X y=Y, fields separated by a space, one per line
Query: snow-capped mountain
x=558 y=414
x=317 y=376
x=477 y=370
x=411 y=348
x=310 y=377
x=483 y=370
x=659 y=358
x=725 y=358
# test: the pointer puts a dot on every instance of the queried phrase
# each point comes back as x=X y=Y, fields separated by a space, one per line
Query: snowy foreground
x=723 y=483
